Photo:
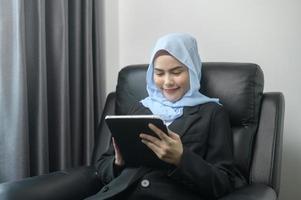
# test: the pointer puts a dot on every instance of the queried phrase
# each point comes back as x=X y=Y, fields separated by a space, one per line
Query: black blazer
x=206 y=170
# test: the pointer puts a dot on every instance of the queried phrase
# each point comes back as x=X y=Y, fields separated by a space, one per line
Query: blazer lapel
x=181 y=124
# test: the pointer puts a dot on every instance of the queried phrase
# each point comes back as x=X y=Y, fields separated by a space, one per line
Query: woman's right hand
x=118 y=157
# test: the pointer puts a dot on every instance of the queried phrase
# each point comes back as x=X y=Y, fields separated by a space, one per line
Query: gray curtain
x=51 y=84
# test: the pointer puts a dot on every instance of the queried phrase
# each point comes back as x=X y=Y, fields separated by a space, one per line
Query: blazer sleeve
x=106 y=168
x=105 y=164
x=211 y=174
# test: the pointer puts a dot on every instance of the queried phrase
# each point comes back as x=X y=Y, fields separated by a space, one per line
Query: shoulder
x=212 y=110
x=218 y=113
x=210 y=107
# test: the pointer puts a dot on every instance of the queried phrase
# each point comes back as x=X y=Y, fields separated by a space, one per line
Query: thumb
x=115 y=145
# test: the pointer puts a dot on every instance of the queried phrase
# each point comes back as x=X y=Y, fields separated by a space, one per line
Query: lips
x=170 y=90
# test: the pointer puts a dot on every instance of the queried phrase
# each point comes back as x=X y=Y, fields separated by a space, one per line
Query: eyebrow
x=172 y=69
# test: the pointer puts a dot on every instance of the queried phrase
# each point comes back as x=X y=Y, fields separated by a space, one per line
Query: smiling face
x=170 y=76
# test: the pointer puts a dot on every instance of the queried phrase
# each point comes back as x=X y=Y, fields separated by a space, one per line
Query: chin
x=172 y=99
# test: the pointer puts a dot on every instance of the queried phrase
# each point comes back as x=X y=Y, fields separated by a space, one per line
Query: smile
x=170 y=90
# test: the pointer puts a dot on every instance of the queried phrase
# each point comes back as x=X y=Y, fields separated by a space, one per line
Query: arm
x=213 y=172
x=110 y=164
x=205 y=166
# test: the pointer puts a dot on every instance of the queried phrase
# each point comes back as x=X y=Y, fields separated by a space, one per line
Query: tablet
x=126 y=129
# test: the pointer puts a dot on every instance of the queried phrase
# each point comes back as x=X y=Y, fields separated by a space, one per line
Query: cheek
x=158 y=81
x=184 y=82
x=187 y=84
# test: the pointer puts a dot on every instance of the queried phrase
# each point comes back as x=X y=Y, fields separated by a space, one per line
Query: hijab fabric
x=184 y=48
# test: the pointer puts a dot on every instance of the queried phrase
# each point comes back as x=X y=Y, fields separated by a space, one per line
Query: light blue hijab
x=184 y=48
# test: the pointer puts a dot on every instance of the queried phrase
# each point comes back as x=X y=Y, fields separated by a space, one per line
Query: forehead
x=167 y=62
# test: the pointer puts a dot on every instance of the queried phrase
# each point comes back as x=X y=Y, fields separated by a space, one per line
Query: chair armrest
x=70 y=184
x=267 y=153
x=252 y=192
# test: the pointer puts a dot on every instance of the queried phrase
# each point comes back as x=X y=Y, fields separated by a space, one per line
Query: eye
x=177 y=72
x=159 y=73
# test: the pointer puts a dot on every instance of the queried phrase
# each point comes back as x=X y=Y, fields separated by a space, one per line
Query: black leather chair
x=256 y=119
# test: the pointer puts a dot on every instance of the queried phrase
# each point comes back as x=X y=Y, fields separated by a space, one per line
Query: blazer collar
x=181 y=124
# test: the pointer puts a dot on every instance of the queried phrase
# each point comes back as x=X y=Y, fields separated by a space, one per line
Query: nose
x=168 y=80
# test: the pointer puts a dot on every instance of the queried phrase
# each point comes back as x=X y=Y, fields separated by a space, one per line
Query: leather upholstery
x=256 y=119
x=252 y=192
x=239 y=87
x=266 y=165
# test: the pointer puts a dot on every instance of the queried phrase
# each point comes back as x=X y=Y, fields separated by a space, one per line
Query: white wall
x=266 y=32
x=111 y=42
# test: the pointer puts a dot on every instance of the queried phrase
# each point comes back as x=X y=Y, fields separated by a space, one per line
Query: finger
x=158 y=151
x=159 y=132
x=118 y=157
x=173 y=135
x=153 y=147
x=151 y=139
x=116 y=148
x=114 y=143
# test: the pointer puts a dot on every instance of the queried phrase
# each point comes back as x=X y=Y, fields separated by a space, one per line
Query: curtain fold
x=58 y=83
x=35 y=63
x=51 y=85
x=14 y=150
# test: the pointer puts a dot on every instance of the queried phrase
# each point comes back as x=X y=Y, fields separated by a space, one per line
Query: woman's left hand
x=168 y=147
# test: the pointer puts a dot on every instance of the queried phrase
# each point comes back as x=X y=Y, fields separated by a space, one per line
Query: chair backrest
x=239 y=86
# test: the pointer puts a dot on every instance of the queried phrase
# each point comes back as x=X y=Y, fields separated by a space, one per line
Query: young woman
x=198 y=146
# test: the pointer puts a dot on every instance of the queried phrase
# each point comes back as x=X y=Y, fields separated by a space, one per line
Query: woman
x=198 y=146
